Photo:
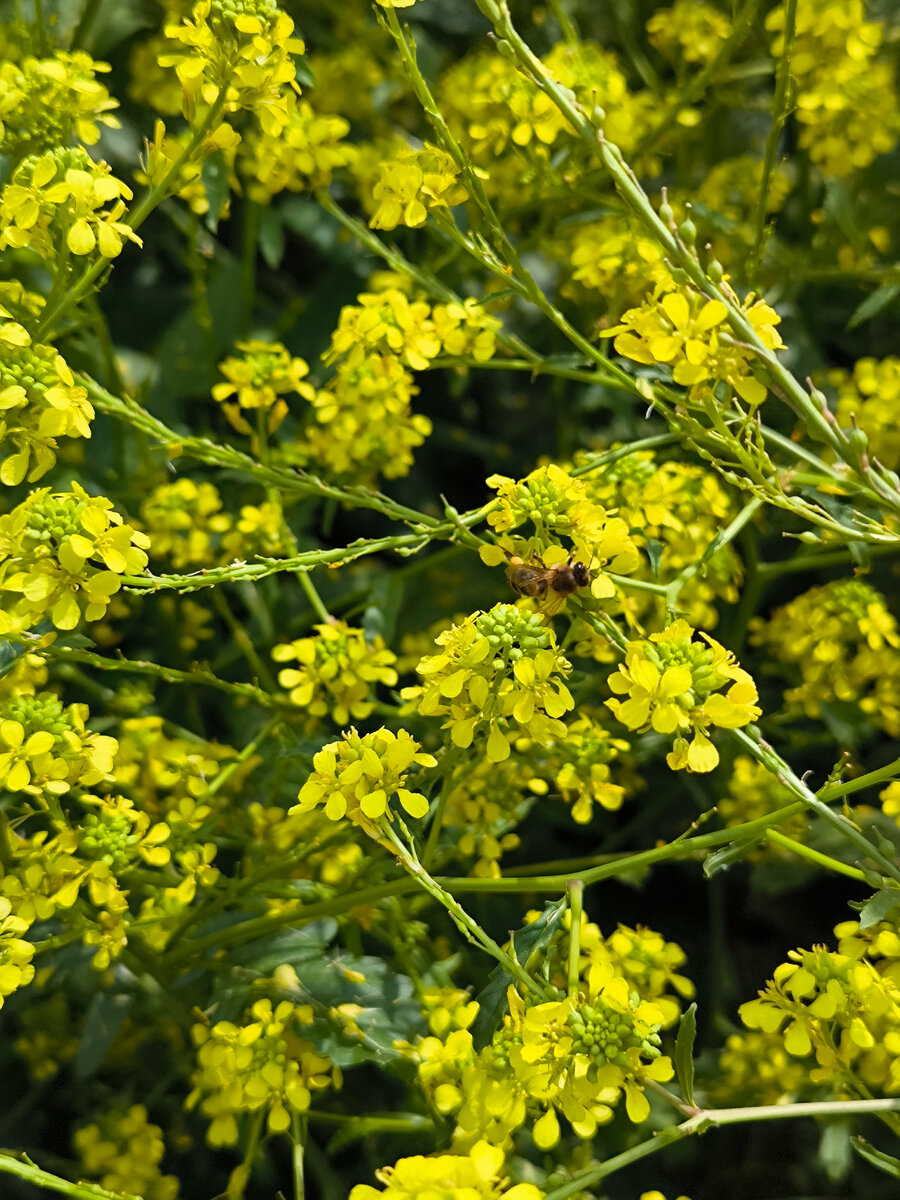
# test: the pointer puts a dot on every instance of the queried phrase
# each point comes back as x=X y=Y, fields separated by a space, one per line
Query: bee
x=550 y=586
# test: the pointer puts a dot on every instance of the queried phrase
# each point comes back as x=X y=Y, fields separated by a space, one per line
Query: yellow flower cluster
x=413 y=184
x=843 y=643
x=309 y=148
x=242 y=48
x=477 y=1175
x=755 y=1068
x=686 y=332
x=259 y=381
x=682 y=507
x=846 y=98
x=559 y=506
x=123 y=1151
x=691 y=31
x=56 y=204
x=497 y=675
x=46 y=749
x=49 y=102
x=39 y=402
x=16 y=969
x=673 y=685
x=612 y=263
x=185 y=522
x=357 y=777
x=337 y=673
x=49 y=547
x=839 y=1008
x=868 y=398
x=262 y=1064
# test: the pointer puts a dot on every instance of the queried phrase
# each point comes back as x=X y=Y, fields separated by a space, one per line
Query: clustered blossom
x=45 y=746
x=185 y=522
x=123 y=1151
x=498 y=674
x=39 y=402
x=357 y=777
x=477 y=1175
x=682 y=507
x=841 y=1009
x=845 y=99
x=50 y=546
x=559 y=506
x=868 y=398
x=308 y=150
x=412 y=185
x=61 y=202
x=689 y=333
x=690 y=30
x=361 y=424
x=337 y=673
x=260 y=1064
x=612 y=262
x=753 y=792
x=49 y=102
x=241 y=47
x=673 y=687
x=574 y=1057
x=260 y=381
x=839 y=641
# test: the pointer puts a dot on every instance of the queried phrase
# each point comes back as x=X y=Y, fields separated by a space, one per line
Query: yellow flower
x=473 y=1176
x=672 y=686
x=356 y=778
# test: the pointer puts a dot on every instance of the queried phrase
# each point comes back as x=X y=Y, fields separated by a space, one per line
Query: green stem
x=575 y=890
x=814 y=856
x=469 y=928
x=298 y=1131
x=23 y=1168
x=781 y=108
x=764 y=754
x=314 y=598
x=247 y=691
x=243 y=641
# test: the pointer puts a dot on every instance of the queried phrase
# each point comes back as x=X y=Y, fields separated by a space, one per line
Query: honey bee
x=550 y=586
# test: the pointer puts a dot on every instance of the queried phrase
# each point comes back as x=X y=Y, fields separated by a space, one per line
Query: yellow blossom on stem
x=497 y=674
x=477 y=1175
x=337 y=673
x=242 y=46
x=49 y=102
x=123 y=1151
x=673 y=686
x=185 y=522
x=358 y=776
x=260 y=380
x=39 y=402
x=50 y=545
x=260 y=1064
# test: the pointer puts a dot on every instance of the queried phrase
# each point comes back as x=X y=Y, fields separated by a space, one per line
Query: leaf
x=654 y=548
x=873 y=304
x=877 y=1158
x=380 y=616
x=728 y=856
x=104 y=1018
x=527 y=941
x=684 y=1052
x=834 y=1150
x=214 y=177
x=271 y=236
x=878 y=907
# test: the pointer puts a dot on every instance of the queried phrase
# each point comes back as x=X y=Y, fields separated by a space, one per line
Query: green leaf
x=835 y=1154
x=528 y=941
x=271 y=235
x=873 y=304
x=214 y=177
x=684 y=1053
x=878 y=907
x=654 y=548
x=877 y=1158
x=380 y=616
x=103 y=1021
x=722 y=859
